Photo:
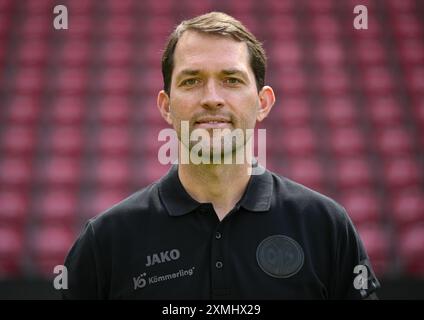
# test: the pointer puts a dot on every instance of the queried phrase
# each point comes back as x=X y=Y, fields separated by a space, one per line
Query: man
x=214 y=230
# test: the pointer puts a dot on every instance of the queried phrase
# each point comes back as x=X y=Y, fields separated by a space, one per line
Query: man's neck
x=222 y=185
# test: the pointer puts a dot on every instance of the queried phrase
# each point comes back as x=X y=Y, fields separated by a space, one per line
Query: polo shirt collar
x=177 y=201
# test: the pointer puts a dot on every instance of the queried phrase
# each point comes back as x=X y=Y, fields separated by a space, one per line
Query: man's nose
x=212 y=97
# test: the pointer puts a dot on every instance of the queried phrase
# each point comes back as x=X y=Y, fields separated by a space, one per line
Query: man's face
x=213 y=85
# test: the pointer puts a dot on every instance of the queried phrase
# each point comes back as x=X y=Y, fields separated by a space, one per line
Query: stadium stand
x=78 y=121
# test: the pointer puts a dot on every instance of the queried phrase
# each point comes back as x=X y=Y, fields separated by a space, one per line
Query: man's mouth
x=212 y=122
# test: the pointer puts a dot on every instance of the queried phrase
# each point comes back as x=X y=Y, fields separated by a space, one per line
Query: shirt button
x=218 y=235
x=218 y=264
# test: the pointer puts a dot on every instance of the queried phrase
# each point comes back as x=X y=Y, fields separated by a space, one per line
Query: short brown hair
x=221 y=24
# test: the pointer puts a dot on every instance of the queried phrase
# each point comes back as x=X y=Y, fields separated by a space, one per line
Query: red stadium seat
x=406 y=25
x=25 y=110
x=286 y=54
x=295 y=112
x=407 y=208
x=82 y=27
x=412 y=250
x=401 y=173
x=100 y=200
x=121 y=7
x=60 y=171
x=324 y=25
x=332 y=81
x=329 y=53
x=147 y=113
x=81 y=7
x=50 y=245
x=18 y=140
x=72 y=81
x=418 y=113
x=57 y=207
x=415 y=80
x=35 y=26
x=348 y=141
x=68 y=110
x=114 y=110
x=238 y=8
x=121 y=26
x=290 y=30
x=411 y=52
x=384 y=112
x=5 y=24
x=150 y=55
x=308 y=172
x=149 y=142
x=157 y=27
x=2 y=49
x=79 y=123
x=164 y=7
x=406 y=6
x=15 y=172
x=291 y=81
x=370 y=52
x=151 y=82
x=250 y=21
x=33 y=53
x=279 y=6
x=38 y=7
x=11 y=250
x=29 y=81
x=75 y=53
x=113 y=141
x=353 y=173
x=377 y=80
x=322 y=6
x=149 y=171
x=6 y=6
x=65 y=141
x=340 y=111
x=394 y=142
x=116 y=81
x=14 y=207
x=363 y=207
x=195 y=8
x=298 y=141
x=112 y=172
x=117 y=53
x=377 y=244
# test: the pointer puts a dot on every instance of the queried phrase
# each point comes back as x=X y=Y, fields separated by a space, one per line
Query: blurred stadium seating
x=78 y=121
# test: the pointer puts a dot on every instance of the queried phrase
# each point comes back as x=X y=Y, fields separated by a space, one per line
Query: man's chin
x=218 y=155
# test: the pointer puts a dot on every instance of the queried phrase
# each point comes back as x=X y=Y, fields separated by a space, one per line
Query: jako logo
x=164 y=256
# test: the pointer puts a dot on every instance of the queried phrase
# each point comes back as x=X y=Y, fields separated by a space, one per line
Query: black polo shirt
x=281 y=241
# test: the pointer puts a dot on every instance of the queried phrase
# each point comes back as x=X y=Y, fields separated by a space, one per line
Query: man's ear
x=163 y=106
x=266 y=101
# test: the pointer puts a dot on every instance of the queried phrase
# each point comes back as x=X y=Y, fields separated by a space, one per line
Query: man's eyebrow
x=189 y=72
x=229 y=72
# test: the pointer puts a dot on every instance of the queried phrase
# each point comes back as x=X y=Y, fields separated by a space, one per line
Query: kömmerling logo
x=140 y=281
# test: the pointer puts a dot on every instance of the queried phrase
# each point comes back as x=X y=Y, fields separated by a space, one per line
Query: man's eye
x=232 y=81
x=190 y=82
